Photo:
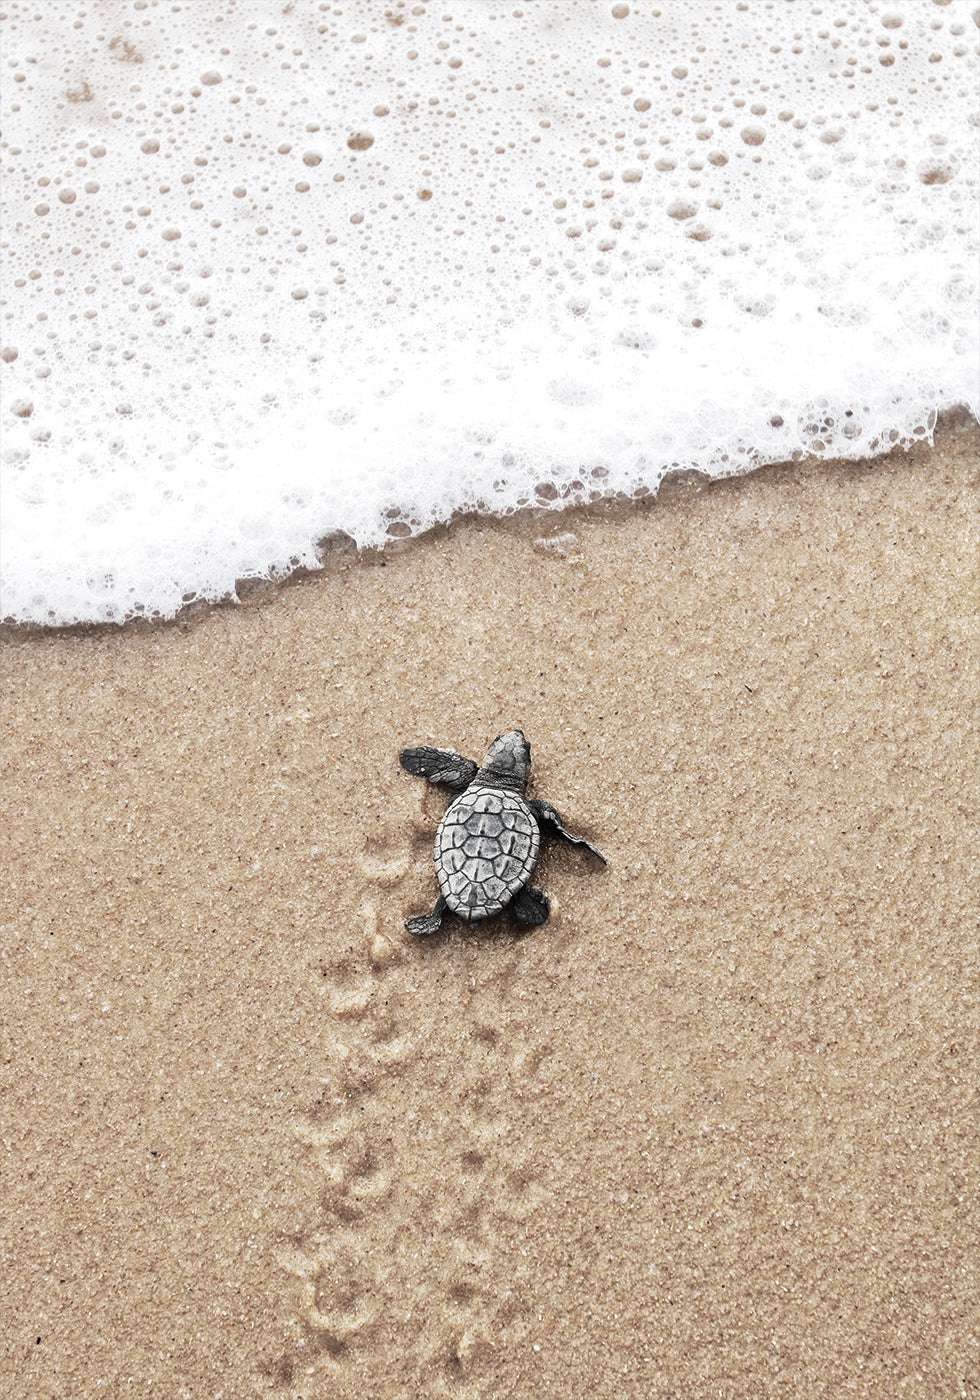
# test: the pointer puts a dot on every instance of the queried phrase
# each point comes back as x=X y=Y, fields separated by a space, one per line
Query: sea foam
x=275 y=272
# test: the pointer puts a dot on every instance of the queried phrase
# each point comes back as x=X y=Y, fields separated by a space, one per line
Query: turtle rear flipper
x=439 y=766
x=547 y=816
x=424 y=925
x=531 y=905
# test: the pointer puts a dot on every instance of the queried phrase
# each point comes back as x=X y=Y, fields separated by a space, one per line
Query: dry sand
x=709 y=1132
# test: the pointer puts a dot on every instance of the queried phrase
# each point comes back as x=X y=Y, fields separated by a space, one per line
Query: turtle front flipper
x=425 y=924
x=439 y=766
x=547 y=816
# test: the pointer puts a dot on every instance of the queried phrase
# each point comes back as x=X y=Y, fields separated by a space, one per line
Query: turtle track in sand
x=405 y=1274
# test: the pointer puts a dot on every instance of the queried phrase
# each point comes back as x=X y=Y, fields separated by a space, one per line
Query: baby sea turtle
x=487 y=844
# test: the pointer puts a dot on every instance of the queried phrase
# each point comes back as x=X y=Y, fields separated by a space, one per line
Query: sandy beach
x=710 y=1131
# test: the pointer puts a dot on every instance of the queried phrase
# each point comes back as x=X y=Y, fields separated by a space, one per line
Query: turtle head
x=508 y=762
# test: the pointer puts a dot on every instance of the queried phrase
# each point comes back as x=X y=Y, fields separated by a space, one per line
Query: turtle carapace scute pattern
x=488 y=842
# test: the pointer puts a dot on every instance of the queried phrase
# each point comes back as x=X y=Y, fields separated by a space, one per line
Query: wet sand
x=710 y=1131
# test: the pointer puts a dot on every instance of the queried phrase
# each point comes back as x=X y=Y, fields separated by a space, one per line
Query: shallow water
x=353 y=270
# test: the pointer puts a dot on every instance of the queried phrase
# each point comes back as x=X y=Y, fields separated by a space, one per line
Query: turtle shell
x=486 y=850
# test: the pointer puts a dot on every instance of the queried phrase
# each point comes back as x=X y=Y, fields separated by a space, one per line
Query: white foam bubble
x=271 y=276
